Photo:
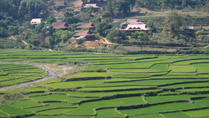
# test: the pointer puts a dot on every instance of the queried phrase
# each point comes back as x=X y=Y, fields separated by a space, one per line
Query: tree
x=152 y=26
x=116 y=36
x=207 y=7
x=140 y=35
x=62 y=35
x=173 y=22
x=31 y=8
x=51 y=19
x=118 y=7
x=69 y=15
x=3 y=32
x=110 y=8
x=10 y=7
x=124 y=7
x=103 y=28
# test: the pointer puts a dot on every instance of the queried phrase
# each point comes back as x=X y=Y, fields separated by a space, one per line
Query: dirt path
x=4 y=112
x=51 y=75
x=206 y=46
x=14 y=38
x=60 y=70
x=105 y=41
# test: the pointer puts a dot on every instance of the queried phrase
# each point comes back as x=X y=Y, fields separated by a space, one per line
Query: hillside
x=172 y=26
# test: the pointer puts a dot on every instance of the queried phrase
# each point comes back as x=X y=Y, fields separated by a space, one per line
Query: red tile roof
x=82 y=33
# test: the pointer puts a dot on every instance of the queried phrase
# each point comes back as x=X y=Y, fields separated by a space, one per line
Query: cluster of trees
x=10 y=98
x=118 y=8
x=43 y=35
x=8 y=26
x=20 y=9
x=171 y=4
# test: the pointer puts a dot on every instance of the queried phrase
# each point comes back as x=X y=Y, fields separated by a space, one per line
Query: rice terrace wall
x=108 y=86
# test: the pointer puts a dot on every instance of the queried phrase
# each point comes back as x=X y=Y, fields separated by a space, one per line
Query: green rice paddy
x=11 y=74
x=109 y=86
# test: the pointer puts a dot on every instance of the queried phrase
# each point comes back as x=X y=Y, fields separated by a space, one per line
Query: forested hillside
x=173 y=24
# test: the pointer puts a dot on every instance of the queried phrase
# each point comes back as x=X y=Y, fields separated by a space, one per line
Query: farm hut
x=84 y=34
x=189 y=30
x=35 y=21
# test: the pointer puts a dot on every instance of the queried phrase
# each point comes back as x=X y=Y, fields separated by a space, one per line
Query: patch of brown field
x=94 y=44
x=77 y=3
x=60 y=70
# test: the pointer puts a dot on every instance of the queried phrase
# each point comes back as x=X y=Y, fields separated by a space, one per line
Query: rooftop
x=82 y=33
x=91 y=5
x=134 y=25
x=35 y=21
x=59 y=25
x=132 y=21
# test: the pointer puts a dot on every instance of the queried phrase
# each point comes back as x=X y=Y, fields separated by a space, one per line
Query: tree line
x=123 y=7
x=23 y=9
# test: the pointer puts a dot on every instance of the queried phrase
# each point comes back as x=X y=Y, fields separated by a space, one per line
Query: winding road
x=51 y=75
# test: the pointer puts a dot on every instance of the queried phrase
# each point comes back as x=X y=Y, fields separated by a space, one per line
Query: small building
x=59 y=25
x=94 y=6
x=86 y=25
x=133 y=25
x=84 y=34
x=35 y=21
x=189 y=30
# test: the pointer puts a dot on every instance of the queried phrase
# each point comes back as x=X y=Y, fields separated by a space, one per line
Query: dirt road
x=51 y=75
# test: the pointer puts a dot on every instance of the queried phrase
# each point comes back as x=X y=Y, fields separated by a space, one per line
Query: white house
x=134 y=25
x=35 y=21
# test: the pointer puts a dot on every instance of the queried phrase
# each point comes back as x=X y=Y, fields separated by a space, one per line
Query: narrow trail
x=4 y=112
x=206 y=46
x=51 y=75
x=14 y=38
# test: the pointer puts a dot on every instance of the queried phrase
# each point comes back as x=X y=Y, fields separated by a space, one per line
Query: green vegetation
x=172 y=26
x=11 y=74
x=107 y=86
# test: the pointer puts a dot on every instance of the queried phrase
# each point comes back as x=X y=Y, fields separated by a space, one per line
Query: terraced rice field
x=111 y=86
x=12 y=74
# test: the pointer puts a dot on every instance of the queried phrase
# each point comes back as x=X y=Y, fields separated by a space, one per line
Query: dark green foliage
x=31 y=8
x=3 y=32
x=174 y=21
x=51 y=19
x=118 y=8
x=140 y=35
x=62 y=35
x=171 y=4
x=70 y=17
x=10 y=98
x=150 y=4
x=116 y=36
x=103 y=28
